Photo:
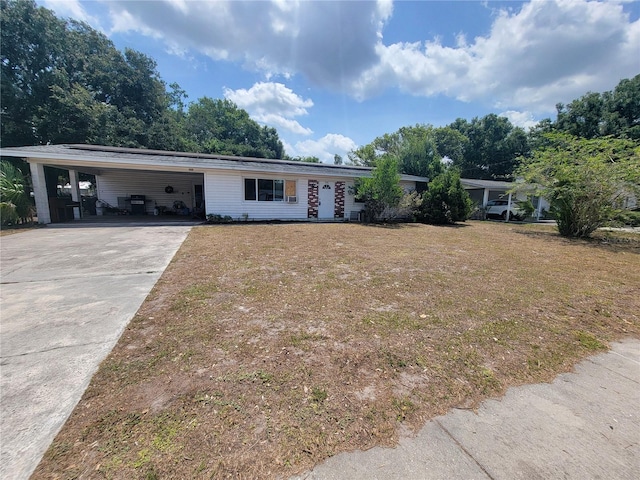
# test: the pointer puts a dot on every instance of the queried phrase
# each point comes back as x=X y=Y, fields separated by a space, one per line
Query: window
x=249 y=188
x=268 y=190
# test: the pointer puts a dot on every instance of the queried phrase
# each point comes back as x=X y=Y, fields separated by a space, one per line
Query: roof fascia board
x=243 y=164
x=205 y=156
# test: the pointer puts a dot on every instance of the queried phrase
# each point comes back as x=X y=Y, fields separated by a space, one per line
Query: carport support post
x=509 y=208
x=40 y=192
x=485 y=197
x=75 y=193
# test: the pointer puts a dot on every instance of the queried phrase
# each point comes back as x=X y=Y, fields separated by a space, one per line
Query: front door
x=326 y=200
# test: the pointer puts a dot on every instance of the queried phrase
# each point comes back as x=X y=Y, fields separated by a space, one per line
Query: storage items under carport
x=61 y=209
x=138 y=205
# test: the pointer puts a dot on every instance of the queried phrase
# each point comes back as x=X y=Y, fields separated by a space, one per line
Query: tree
x=537 y=133
x=585 y=180
x=614 y=113
x=32 y=43
x=413 y=147
x=337 y=159
x=492 y=148
x=365 y=156
x=382 y=191
x=219 y=126
x=582 y=117
x=451 y=143
x=417 y=152
x=445 y=200
x=621 y=116
x=64 y=82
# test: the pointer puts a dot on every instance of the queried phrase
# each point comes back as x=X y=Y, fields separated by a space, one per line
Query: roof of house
x=119 y=157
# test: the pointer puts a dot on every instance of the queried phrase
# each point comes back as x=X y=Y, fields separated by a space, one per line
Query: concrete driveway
x=66 y=296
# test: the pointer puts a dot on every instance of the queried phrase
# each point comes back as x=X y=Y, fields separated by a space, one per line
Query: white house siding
x=112 y=184
x=224 y=195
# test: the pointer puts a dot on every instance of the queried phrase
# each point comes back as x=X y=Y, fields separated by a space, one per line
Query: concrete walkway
x=66 y=295
x=585 y=425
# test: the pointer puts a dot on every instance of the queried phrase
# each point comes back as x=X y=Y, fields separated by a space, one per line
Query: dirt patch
x=265 y=349
x=12 y=230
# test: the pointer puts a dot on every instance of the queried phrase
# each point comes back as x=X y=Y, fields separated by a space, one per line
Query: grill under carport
x=138 y=204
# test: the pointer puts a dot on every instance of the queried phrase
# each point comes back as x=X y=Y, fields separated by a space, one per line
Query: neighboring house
x=482 y=191
x=151 y=181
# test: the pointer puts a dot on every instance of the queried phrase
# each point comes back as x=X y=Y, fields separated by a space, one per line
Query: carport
x=136 y=187
x=482 y=191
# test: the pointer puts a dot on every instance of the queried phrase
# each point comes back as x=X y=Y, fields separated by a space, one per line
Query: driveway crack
x=73 y=277
x=464 y=449
x=51 y=349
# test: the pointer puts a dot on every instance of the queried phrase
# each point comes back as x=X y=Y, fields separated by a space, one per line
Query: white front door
x=326 y=199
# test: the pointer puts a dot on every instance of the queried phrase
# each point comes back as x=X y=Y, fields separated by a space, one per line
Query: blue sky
x=331 y=76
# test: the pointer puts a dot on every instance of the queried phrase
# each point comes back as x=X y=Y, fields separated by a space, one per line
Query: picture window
x=269 y=190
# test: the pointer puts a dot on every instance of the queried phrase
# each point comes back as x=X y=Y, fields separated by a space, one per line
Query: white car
x=499 y=208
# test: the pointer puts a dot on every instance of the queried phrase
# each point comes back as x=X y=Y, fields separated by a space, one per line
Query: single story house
x=149 y=182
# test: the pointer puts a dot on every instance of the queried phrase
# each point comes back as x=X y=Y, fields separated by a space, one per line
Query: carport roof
x=97 y=156
x=470 y=183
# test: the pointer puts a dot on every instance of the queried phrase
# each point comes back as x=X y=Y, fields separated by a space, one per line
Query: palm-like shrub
x=15 y=204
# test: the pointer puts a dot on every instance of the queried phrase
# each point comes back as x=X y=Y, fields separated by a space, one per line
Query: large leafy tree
x=64 y=82
x=492 y=148
x=451 y=143
x=413 y=147
x=621 y=116
x=614 y=113
x=581 y=118
x=585 y=180
x=32 y=44
x=219 y=126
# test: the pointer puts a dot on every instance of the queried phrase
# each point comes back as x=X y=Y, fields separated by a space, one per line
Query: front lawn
x=265 y=349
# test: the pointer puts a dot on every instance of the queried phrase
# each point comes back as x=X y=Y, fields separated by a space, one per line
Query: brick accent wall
x=339 y=200
x=312 y=189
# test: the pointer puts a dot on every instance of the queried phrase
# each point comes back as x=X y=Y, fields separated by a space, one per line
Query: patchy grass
x=6 y=230
x=264 y=349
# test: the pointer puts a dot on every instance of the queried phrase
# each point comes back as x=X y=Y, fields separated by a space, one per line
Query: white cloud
x=328 y=42
x=547 y=52
x=72 y=9
x=279 y=121
x=324 y=148
x=272 y=104
x=535 y=54
x=520 y=119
